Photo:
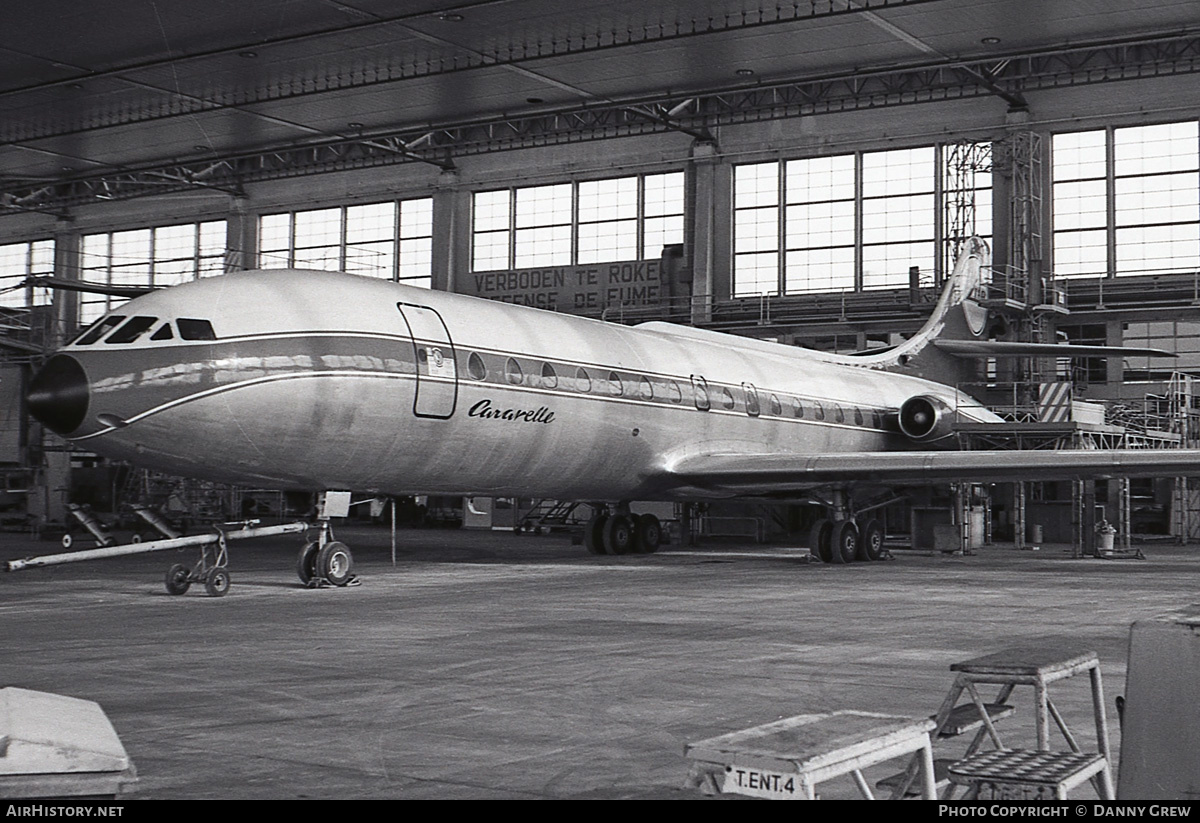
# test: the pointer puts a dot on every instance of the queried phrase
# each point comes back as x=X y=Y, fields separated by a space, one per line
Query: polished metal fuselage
x=320 y=380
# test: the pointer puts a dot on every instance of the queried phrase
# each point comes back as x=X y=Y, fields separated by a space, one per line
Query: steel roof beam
x=1012 y=76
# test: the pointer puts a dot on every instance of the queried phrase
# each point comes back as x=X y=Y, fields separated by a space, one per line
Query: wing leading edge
x=768 y=474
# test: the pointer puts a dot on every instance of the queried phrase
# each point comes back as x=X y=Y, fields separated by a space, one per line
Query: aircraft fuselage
x=319 y=380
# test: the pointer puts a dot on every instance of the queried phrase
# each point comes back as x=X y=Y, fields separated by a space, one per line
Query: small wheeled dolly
x=212 y=569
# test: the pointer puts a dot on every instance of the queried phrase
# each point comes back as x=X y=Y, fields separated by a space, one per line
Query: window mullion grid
x=780 y=227
x=858 y=221
x=574 y=256
x=1110 y=205
x=397 y=241
x=641 y=217
x=512 y=229
x=344 y=214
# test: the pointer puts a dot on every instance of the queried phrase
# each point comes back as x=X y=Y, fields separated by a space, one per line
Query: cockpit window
x=164 y=333
x=101 y=328
x=132 y=330
x=192 y=329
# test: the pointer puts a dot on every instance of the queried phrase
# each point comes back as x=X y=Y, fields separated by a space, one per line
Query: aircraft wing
x=766 y=474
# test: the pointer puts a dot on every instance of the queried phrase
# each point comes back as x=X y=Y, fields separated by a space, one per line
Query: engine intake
x=924 y=418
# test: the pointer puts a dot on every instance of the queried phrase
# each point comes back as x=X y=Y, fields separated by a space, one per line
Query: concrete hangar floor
x=490 y=665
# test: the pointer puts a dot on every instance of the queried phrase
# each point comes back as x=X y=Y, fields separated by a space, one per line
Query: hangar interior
x=800 y=172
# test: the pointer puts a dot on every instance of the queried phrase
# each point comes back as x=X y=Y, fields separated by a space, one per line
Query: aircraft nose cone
x=58 y=394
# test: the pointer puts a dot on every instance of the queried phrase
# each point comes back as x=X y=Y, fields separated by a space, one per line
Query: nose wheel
x=325 y=563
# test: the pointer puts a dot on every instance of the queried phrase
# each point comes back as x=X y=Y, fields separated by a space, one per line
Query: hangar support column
x=67 y=266
x=447 y=244
x=705 y=205
x=241 y=237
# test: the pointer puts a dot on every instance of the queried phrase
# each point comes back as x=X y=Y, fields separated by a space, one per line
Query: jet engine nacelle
x=924 y=418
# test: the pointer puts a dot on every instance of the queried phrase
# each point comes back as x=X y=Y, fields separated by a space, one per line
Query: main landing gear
x=620 y=532
x=844 y=541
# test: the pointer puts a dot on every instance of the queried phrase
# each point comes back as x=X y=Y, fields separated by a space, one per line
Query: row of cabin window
x=189 y=329
x=645 y=390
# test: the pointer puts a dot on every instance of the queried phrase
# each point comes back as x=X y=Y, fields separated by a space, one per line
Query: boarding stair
x=547 y=515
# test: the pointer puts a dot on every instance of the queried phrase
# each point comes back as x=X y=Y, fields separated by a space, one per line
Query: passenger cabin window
x=818 y=410
x=549 y=376
x=583 y=381
x=700 y=389
x=645 y=389
x=100 y=329
x=858 y=416
x=797 y=407
x=838 y=414
x=192 y=329
x=512 y=371
x=673 y=392
x=475 y=367
x=727 y=400
x=614 y=384
x=774 y=405
x=132 y=330
x=752 y=407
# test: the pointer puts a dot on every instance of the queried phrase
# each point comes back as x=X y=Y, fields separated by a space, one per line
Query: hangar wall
x=709 y=226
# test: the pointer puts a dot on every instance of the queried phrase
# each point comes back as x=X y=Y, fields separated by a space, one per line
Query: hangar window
x=1126 y=201
x=583 y=381
x=476 y=368
x=391 y=240
x=512 y=372
x=147 y=258
x=192 y=329
x=794 y=220
x=19 y=261
x=542 y=226
x=132 y=330
x=549 y=376
x=589 y=221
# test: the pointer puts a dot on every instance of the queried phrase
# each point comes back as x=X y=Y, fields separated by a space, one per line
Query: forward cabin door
x=436 y=394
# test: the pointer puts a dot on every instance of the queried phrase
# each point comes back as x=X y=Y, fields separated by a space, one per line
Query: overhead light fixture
x=990 y=41
x=745 y=72
x=535 y=100
x=450 y=17
x=200 y=148
x=249 y=55
x=355 y=125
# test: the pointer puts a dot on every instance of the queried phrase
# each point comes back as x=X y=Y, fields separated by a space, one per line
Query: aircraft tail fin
x=958 y=315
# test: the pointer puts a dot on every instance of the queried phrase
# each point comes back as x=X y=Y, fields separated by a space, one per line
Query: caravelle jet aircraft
x=324 y=381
